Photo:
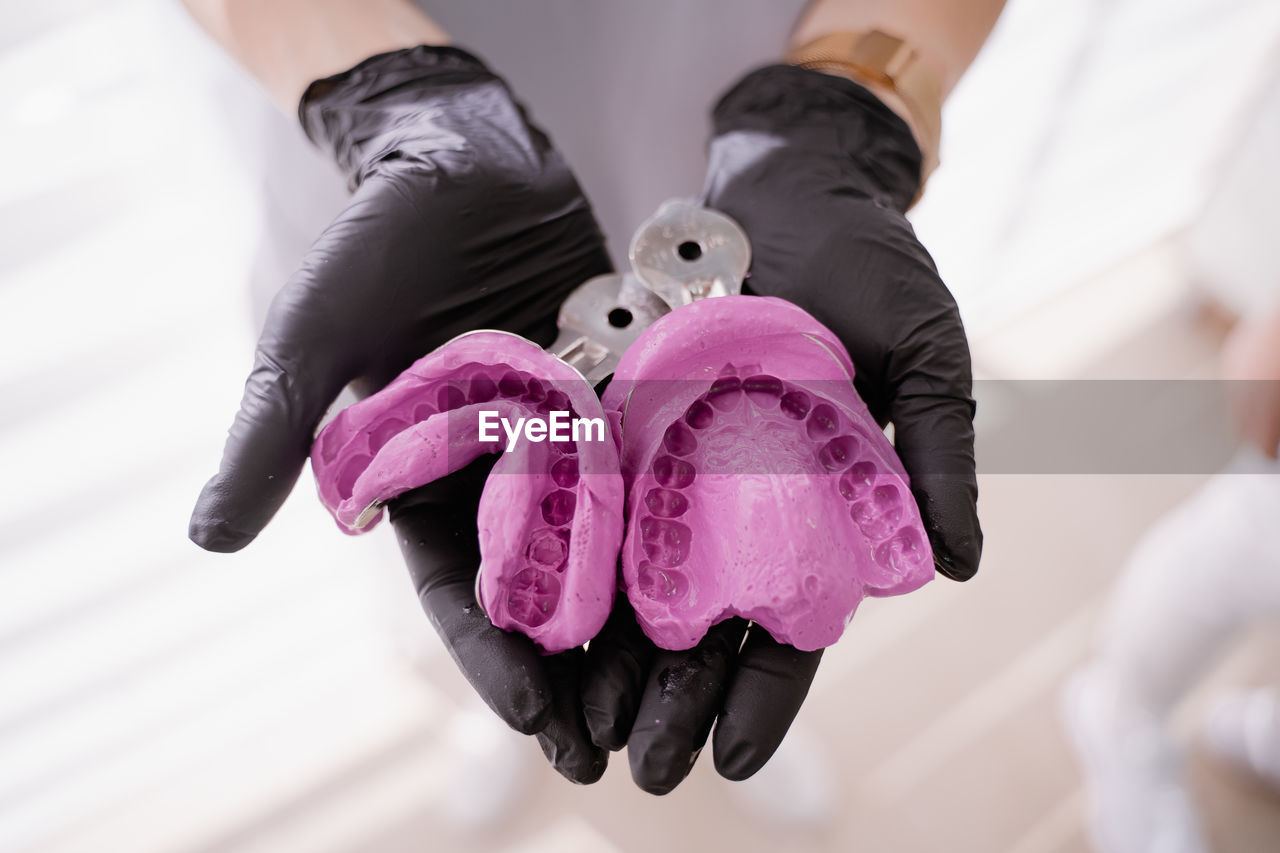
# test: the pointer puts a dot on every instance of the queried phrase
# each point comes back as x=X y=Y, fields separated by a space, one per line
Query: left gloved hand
x=819 y=173
x=464 y=216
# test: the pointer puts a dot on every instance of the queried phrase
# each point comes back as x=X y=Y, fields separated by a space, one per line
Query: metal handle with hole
x=685 y=252
x=681 y=254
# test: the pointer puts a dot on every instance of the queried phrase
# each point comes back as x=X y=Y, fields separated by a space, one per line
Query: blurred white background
x=1102 y=169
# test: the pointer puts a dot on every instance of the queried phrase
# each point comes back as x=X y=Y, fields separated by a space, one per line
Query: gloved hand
x=463 y=216
x=819 y=173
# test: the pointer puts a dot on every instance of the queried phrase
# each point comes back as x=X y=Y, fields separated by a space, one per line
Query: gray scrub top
x=623 y=87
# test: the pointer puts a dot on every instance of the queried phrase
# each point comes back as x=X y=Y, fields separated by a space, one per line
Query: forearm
x=946 y=34
x=286 y=44
x=1251 y=363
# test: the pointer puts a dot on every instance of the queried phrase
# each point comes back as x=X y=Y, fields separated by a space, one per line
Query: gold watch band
x=888 y=62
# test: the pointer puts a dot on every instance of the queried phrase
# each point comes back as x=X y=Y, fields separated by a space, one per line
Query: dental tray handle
x=683 y=253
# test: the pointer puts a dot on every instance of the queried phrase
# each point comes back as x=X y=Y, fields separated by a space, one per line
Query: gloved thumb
x=295 y=377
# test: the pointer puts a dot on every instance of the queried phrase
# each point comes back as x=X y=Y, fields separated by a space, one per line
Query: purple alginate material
x=550 y=515
x=758 y=483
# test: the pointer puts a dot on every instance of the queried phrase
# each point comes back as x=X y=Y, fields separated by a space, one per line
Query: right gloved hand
x=463 y=216
x=818 y=173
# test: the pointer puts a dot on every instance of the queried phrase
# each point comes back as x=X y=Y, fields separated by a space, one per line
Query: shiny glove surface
x=463 y=216
x=819 y=173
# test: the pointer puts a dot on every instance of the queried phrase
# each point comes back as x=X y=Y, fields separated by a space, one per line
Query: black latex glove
x=463 y=217
x=818 y=172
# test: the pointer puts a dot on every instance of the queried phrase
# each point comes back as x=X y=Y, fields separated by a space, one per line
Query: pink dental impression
x=758 y=484
x=549 y=520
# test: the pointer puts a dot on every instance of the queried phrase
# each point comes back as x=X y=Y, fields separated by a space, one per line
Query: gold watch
x=887 y=62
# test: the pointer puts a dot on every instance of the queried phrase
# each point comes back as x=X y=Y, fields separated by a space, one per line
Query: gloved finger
x=565 y=741
x=614 y=677
x=768 y=686
x=295 y=378
x=933 y=435
x=436 y=529
x=679 y=704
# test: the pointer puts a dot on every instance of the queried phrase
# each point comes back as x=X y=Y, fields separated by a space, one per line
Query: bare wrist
x=946 y=34
x=890 y=68
x=286 y=44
